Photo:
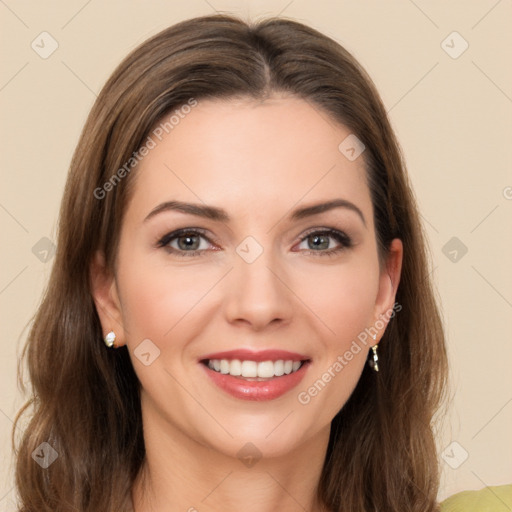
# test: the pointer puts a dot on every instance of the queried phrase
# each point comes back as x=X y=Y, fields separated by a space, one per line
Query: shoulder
x=488 y=499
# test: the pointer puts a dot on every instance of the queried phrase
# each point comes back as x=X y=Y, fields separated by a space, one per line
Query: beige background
x=452 y=116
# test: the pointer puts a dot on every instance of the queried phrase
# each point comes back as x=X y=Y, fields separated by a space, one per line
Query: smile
x=250 y=375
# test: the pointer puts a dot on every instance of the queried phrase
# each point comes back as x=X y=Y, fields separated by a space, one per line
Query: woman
x=240 y=314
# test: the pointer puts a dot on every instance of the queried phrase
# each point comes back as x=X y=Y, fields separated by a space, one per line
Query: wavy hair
x=85 y=400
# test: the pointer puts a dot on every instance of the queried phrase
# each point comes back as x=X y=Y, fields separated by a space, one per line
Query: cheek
x=343 y=296
x=158 y=300
x=345 y=304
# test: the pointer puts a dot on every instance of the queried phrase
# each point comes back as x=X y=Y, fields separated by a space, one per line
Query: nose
x=258 y=295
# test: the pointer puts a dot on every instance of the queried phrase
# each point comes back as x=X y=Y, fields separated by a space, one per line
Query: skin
x=258 y=161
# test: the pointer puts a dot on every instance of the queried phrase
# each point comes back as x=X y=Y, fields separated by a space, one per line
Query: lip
x=258 y=356
x=256 y=390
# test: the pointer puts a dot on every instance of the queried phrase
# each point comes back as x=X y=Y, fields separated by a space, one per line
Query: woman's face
x=260 y=274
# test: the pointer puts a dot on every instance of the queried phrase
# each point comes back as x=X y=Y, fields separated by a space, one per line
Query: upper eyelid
x=176 y=233
x=339 y=235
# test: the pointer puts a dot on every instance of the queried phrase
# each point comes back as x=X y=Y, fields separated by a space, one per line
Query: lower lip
x=257 y=390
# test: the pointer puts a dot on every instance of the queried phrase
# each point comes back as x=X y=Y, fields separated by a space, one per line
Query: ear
x=106 y=299
x=388 y=285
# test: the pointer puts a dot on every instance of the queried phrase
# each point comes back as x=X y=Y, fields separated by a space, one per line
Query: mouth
x=249 y=375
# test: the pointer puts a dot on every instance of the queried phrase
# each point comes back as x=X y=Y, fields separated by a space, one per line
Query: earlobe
x=106 y=300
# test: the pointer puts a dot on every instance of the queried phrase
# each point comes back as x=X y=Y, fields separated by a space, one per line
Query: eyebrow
x=315 y=209
x=220 y=215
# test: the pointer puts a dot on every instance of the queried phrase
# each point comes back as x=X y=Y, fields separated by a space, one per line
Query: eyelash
x=343 y=239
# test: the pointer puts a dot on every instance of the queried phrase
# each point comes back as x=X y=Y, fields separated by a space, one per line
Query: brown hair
x=85 y=399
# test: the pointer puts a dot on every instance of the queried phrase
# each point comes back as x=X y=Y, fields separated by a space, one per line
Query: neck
x=180 y=474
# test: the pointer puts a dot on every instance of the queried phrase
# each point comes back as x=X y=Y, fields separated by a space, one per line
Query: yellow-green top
x=489 y=499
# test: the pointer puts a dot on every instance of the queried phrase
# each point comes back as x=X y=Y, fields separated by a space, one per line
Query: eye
x=194 y=242
x=325 y=242
x=185 y=242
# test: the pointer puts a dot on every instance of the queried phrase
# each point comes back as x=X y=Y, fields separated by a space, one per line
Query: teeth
x=249 y=368
x=235 y=368
x=252 y=369
x=224 y=366
x=266 y=369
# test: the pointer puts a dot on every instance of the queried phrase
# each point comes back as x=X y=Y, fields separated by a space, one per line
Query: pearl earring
x=110 y=338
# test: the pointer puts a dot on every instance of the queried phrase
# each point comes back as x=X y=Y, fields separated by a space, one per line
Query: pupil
x=319 y=242
x=188 y=242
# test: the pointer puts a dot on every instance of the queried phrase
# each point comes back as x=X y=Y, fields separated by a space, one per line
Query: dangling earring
x=374 y=362
x=110 y=338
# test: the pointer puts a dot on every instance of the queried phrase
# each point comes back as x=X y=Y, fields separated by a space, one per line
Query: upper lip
x=260 y=355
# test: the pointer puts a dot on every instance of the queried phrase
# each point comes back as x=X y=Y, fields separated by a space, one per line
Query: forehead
x=244 y=155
